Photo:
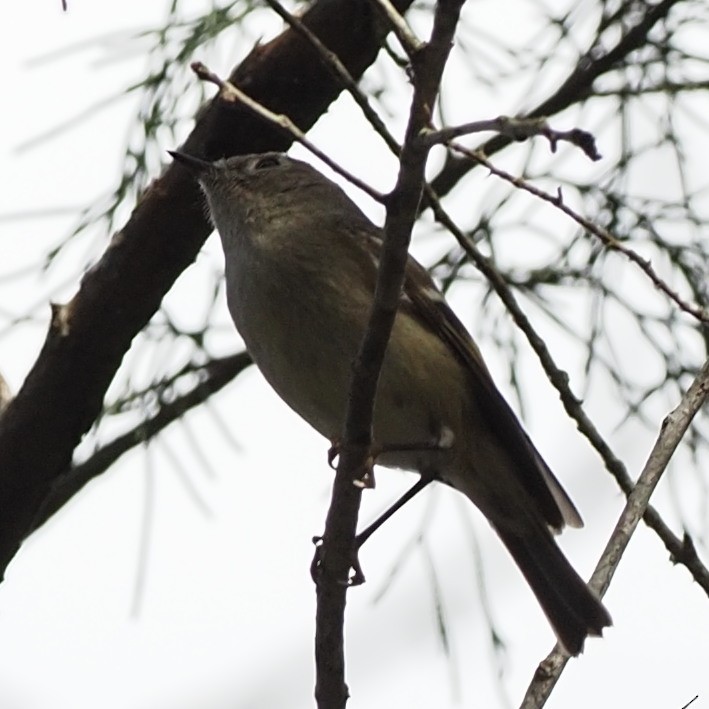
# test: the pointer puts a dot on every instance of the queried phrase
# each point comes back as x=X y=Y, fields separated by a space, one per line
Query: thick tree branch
x=88 y=337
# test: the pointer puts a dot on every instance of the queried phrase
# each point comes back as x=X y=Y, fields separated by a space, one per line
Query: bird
x=301 y=262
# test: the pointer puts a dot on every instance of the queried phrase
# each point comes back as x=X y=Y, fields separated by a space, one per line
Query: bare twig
x=609 y=241
x=229 y=92
x=214 y=375
x=517 y=129
x=691 y=701
x=408 y=40
x=635 y=24
x=339 y=71
x=673 y=429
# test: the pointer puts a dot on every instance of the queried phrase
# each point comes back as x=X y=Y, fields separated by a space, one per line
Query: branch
x=335 y=557
x=231 y=94
x=518 y=129
x=609 y=240
x=577 y=86
x=681 y=550
x=339 y=71
x=214 y=375
x=673 y=429
x=406 y=36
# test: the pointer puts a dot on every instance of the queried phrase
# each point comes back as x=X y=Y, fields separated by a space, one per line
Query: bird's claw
x=363 y=481
x=316 y=566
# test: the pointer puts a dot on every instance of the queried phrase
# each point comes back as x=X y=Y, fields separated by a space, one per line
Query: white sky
x=223 y=614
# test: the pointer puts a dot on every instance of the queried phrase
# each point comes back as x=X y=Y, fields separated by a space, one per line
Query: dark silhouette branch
x=214 y=376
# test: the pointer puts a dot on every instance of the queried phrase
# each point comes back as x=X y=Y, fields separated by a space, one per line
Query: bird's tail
x=572 y=608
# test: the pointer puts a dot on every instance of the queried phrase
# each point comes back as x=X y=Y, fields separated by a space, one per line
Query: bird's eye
x=267 y=161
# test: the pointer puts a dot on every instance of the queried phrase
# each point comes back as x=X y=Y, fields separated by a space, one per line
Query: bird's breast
x=304 y=329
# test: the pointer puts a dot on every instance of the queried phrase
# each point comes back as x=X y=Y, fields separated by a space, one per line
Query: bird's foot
x=317 y=568
x=365 y=476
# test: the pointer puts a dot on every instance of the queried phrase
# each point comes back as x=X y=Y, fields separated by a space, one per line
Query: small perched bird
x=301 y=266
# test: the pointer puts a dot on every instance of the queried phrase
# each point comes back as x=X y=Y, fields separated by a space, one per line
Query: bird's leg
x=366 y=480
x=358 y=577
x=420 y=484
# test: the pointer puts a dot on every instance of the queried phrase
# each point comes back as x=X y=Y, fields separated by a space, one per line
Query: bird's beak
x=195 y=165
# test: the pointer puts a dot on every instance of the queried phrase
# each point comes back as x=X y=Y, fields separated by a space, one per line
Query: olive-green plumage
x=301 y=264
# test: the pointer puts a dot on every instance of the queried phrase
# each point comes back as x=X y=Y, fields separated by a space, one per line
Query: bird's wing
x=424 y=302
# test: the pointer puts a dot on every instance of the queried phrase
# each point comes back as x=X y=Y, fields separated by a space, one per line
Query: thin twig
x=230 y=93
x=214 y=375
x=691 y=701
x=673 y=429
x=579 y=84
x=517 y=129
x=339 y=71
x=408 y=40
x=610 y=241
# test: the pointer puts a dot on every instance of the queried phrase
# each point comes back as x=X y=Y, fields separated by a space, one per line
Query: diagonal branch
x=607 y=239
x=673 y=429
x=681 y=550
x=214 y=376
x=406 y=36
x=232 y=94
x=339 y=71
